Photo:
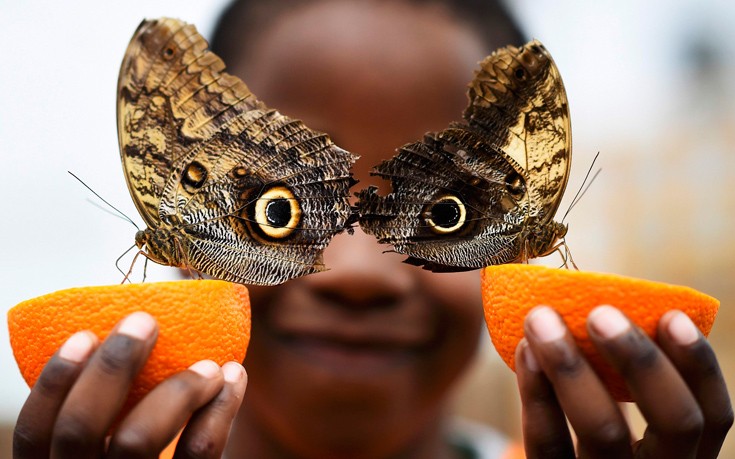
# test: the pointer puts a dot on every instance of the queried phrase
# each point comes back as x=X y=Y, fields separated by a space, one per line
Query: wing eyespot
x=194 y=177
x=168 y=53
x=515 y=185
x=277 y=212
x=239 y=172
x=446 y=215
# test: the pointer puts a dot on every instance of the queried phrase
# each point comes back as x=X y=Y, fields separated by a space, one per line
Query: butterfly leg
x=117 y=262
x=524 y=253
x=130 y=271
x=569 y=255
x=566 y=255
x=145 y=268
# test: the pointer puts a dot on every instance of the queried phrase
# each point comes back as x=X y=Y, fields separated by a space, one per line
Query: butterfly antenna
x=583 y=189
x=119 y=212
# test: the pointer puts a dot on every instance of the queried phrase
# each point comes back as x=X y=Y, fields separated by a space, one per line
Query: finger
x=206 y=433
x=95 y=400
x=673 y=415
x=32 y=434
x=697 y=364
x=600 y=426
x=545 y=432
x=156 y=419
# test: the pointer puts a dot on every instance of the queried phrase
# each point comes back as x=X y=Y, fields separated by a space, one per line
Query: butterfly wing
x=473 y=194
x=200 y=153
x=518 y=102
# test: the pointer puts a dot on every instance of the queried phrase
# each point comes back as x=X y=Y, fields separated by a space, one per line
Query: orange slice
x=510 y=291
x=198 y=319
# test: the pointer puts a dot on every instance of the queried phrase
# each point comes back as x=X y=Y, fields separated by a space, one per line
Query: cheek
x=457 y=299
x=457 y=293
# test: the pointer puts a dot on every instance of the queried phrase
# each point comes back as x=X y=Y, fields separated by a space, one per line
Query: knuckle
x=25 y=441
x=690 y=425
x=643 y=356
x=549 y=447
x=115 y=356
x=705 y=361
x=224 y=402
x=186 y=388
x=722 y=424
x=132 y=442
x=568 y=362
x=542 y=398
x=55 y=378
x=200 y=446
x=183 y=386
x=608 y=433
x=73 y=434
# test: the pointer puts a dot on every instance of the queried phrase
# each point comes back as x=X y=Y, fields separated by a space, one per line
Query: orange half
x=510 y=291
x=198 y=319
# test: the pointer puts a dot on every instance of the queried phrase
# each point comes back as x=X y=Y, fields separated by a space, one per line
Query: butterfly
x=483 y=191
x=226 y=186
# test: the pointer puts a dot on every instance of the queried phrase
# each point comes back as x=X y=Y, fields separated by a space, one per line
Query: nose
x=360 y=274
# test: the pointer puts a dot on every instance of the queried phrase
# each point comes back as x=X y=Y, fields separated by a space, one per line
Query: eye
x=446 y=215
x=277 y=212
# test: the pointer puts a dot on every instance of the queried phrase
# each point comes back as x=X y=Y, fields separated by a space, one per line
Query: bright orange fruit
x=510 y=291
x=198 y=319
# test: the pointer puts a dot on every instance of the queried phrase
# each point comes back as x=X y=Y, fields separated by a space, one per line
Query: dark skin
x=359 y=361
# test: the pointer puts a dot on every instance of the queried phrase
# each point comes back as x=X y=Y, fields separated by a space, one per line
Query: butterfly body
x=165 y=245
x=483 y=191
x=226 y=185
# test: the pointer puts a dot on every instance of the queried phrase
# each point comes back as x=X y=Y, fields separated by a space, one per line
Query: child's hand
x=76 y=399
x=676 y=384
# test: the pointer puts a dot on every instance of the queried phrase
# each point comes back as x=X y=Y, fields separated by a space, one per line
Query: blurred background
x=651 y=88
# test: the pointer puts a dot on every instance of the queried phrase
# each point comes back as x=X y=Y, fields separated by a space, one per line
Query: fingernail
x=528 y=358
x=545 y=324
x=138 y=325
x=78 y=347
x=682 y=329
x=206 y=368
x=608 y=322
x=233 y=371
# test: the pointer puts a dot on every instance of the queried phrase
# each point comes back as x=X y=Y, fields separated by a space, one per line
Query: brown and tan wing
x=518 y=102
x=254 y=195
x=470 y=195
x=172 y=95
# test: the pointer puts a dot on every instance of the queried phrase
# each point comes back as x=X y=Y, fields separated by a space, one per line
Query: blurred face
x=357 y=360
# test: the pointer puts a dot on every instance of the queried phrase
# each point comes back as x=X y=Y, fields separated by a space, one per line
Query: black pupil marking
x=520 y=74
x=278 y=212
x=168 y=52
x=515 y=186
x=195 y=175
x=445 y=214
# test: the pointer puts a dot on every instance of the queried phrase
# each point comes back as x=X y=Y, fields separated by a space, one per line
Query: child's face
x=369 y=348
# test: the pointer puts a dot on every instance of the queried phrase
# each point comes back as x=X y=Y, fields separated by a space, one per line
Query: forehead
x=391 y=33
x=385 y=46
x=374 y=75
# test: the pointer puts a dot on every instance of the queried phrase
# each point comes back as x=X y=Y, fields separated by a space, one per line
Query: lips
x=349 y=339
x=349 y=357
